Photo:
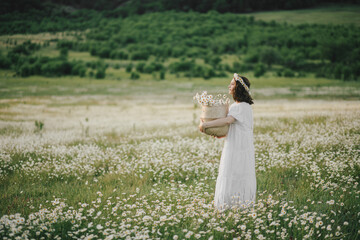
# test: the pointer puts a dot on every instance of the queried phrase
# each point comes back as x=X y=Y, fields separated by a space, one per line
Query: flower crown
x=240 y=80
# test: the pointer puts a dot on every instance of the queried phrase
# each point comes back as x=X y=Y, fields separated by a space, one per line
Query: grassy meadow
x=328 y=14
x=122 y=158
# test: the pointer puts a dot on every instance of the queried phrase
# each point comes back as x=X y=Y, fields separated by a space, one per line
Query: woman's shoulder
x=240 y=104
x=240 y=107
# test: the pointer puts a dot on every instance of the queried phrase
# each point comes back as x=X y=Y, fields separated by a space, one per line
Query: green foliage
x=210 y=36
x=239 y=68
x=208 y=73
x=139 y=55
x=100 y=69
x=134 y=75
x=162 y=75
x=129 y=67
x=39 y=125
x=182 y=66
x=5 y=62
x=140 y=67
x=56 y=67
x=269 y=56
x=64 y=52
x=288 y=73
x=65 y=44
x=50 y=67
x=259 y=70
x=116 y=66
x=78 y=69
x=118 y=54
x=49 y=19
x=26 y=48
x=100 y=73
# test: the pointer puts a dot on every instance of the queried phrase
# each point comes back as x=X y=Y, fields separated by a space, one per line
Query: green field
x=331 y=14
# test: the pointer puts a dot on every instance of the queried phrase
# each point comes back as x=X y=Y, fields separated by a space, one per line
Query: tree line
x=327 y=50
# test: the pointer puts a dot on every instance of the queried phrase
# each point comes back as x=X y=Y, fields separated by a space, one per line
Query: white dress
x=236 y=182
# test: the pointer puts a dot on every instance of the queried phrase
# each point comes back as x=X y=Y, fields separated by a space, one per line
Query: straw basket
x=209 y=113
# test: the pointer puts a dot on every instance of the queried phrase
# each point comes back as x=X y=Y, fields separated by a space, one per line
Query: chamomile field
x=121 y=167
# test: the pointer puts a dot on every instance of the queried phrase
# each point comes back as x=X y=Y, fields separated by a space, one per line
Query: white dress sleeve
x=236 y=112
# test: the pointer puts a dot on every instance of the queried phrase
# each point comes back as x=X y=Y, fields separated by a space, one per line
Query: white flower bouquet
x=205 y=99
x=213 y=108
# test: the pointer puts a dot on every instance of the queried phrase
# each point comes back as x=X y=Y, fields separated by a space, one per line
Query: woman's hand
x=201 y=126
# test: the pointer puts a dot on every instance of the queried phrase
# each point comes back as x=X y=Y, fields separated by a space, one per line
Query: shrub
x=93 y=51
x=162 y=75
x=100 y=73
x=157 y=66
x=269 y=56
x=5 y=63
x=65 y=44
x=346 y=73
x=56 y=67
x=78 y=69
x=208 y=73
x=118 y=54
x=288 y=73
x=134 y=75
x=259 y=70
x=129 y=67
x=294 y=60
x=91 y=65
x=301 y=74
x=64 y=53
x=116 y=66
x=252 y=57
x=26 y=48
x=148 y=68
x=215 y=61
x=239 y=68
x=13 y=57
x=25 y=70
x=140 y=67
x=103 y=52
x=21 y=49
x=181 y=66
x=177 y=51
x=338 y=71
x=139 y=55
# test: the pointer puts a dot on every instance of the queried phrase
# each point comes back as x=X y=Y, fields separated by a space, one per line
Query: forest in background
x=189 y=44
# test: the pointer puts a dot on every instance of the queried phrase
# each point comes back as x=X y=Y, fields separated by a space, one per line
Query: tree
x=269 y=56
x=259 y=70
x=64 y=53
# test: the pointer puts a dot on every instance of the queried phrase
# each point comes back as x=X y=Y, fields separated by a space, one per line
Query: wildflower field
x=107 y=167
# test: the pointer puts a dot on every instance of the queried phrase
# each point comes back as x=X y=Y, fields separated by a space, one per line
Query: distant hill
x=127 y=7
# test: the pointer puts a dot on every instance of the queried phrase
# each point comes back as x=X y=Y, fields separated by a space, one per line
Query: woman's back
x=236 y=182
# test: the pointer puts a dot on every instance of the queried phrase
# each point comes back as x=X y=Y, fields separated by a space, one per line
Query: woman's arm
x=216 y=123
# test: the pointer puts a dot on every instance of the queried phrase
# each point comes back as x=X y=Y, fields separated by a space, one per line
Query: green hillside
x=205 y=45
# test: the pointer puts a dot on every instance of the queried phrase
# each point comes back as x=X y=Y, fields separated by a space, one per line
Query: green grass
x=328 y=14
x=118 y=83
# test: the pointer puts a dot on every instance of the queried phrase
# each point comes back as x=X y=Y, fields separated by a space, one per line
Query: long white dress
x=236 y=181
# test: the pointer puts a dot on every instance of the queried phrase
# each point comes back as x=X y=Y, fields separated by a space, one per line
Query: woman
x=236 y=182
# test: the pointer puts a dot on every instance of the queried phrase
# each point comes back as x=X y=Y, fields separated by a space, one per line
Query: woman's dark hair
x=240 y=93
